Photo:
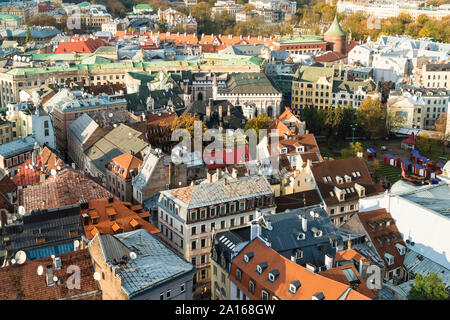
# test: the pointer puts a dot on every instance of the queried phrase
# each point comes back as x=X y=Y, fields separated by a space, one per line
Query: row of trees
x=341 y=122
x=225 y=23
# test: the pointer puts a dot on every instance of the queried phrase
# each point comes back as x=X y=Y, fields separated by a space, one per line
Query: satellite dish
x=55 y=278
x=13 y=261
x=291 y=179
x=40 y=270
x=76 y=244
x=97 y=276
x=21 y=257
x=52 y=256
x=111 y=115
x=53 y=172
x=58 y=167
x=133 y=255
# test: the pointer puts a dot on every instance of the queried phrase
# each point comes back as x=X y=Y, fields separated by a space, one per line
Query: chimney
x=49 y=276
x=208 y=177
x=328 y=261
x=304 y=224
x=218 y=173
x=220 y=112
x=57 y=262
x=229 y=111
x=349 y=244
x=208 y=112
x=255 y=230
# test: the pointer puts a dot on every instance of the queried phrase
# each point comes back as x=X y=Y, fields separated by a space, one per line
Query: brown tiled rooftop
x=22 y=282
x=68 y=187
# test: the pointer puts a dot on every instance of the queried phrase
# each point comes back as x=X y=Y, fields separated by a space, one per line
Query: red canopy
x=410 y=140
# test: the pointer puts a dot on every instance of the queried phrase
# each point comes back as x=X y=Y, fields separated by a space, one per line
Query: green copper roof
x=8 y=17
x=143 y=6
x=84 y=4
x=335 y=29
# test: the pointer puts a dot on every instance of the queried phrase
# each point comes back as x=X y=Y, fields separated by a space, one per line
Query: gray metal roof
x=416 y=263
x=83 y=128
x=155 y=263
x=285 y=229
x=16 y=147
x=223 y=190
x=435 y=198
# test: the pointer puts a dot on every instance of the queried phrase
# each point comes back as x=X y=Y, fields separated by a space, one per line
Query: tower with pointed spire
x=336 y=36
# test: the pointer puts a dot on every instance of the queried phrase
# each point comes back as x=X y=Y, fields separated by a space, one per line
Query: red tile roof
x=21 y=282
x=289 y=271
x=46 y=161
x=337 y=274
x=80 y=45
x=384 y=237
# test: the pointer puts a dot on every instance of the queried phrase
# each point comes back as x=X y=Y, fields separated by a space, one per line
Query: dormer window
x=273 y=275
x=298 y=254
x=339 y=180
x=317 y=233
x=389 y=259
x=261 y=267
x=248 y=257
x=401 y=248
x=283 y=150
x=294 y=286
x=301 y=236
x=347 y=178
x=360 y=189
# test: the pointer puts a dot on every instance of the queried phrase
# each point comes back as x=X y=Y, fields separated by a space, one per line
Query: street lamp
x=353 y=126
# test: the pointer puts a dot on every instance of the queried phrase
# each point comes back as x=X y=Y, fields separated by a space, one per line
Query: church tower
x=336 y=36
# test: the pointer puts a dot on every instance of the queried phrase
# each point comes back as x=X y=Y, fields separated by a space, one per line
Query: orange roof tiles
x=21 y=282
x=122 y=165
x=123 y=218
x=311 y=283
x=184 y=194
x=349 y=254
x=338 y=274
x=80 y=45
x=228 y=40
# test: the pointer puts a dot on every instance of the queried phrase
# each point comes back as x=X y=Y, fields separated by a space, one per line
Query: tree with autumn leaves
x=371 y=118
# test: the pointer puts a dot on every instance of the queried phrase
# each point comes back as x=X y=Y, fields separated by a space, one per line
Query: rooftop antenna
x=21 y=257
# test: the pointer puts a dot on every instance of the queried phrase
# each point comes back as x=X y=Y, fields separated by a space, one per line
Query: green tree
x=262 y=121
x=28 y=36
x=428 y=287
x=424 y=143
x=371 y=118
